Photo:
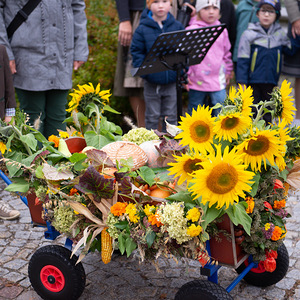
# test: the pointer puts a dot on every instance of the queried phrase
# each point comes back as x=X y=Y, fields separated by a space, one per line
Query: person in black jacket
x=159 y=88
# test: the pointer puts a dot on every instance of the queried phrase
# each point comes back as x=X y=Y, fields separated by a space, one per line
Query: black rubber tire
x=57 y=257
x=202 y=290
x=269 y=278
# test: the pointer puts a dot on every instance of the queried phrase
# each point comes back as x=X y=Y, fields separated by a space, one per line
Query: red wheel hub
x=259 y=269
x=52 y=278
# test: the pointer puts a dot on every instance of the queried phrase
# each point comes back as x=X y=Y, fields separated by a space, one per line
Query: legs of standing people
x=195 y=98
x=138 y=107
x=217 y=97
x=49 y=106
x=262 y=92
x=168 y=95
x=153 y=105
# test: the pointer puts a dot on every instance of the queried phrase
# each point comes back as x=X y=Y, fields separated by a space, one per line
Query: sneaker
x=8 y=214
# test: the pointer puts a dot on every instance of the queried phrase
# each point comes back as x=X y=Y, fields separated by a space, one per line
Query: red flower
x=271 y=253
x=267 y=205
x=270 y=264
x=278 y=184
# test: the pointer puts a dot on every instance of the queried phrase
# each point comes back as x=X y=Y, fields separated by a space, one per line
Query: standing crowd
x=42 y=42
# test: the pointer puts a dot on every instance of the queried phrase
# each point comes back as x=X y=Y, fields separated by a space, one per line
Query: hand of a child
x=125 y=33
x=7 y=119
x=77 y=64
x=193 y=13
x=296 y=28
x=12 y=65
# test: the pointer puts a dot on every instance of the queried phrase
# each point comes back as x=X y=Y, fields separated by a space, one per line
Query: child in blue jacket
x=260 y=52
x=159 y=88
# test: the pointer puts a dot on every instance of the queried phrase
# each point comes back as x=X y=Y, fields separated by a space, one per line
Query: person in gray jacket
x=43 y=52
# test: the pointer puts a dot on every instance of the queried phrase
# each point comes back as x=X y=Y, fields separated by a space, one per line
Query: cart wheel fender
x=202 y=289
x=260 y=277
x=54 y=275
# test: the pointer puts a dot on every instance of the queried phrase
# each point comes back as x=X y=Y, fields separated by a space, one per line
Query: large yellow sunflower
x=231 y=125
x=259 y=147
x=185 y=165
x=284 y=107
x=197 y=130
x=85 y=94
x=222 y=180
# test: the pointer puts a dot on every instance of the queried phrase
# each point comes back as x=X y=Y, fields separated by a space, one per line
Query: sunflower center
x=191 y=165
x=230 y=123
x=222 y=179
x=200 y=132
x=258 y=146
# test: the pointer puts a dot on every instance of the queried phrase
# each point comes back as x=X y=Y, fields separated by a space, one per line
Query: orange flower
x=279 y=204
x=276 y=233
x=251 y=204
x=154 y=220
x=118 y=209
x=53 y=138
x=73 y=191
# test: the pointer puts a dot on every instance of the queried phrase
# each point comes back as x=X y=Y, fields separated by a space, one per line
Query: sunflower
x=222 y=180
x=231 y=125
x=87 y=94
x=284 y=102
x=241 y=99
x=197 y=130
x=259 y=147
x=185 y=165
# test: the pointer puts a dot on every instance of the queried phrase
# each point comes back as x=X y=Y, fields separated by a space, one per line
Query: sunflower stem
x=261 y=112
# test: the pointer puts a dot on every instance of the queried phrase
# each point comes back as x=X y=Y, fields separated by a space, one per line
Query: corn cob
x=106 y=246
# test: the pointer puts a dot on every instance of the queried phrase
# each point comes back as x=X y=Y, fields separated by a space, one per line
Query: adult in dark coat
x=7 y=92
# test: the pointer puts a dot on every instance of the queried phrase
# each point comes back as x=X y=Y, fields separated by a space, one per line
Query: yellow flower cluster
x=131 y=211
x=194 y=230
x=193 y=214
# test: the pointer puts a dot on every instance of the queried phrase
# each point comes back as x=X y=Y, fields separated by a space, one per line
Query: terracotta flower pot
x=35 y=208
x=75 y=144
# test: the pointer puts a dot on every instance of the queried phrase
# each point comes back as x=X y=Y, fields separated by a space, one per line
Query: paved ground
x=126 y=279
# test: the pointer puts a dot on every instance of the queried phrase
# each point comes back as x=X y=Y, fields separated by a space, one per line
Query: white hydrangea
x=172 y=216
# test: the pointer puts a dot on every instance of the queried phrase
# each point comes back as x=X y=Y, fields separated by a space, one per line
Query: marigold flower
x=193 y=214
x=194 y=230
x=154 y=220
x=149 y=210
x=131 y=211
x=73 y=191
x=276 y=233
x=118 y=209
x=251 y=204
x=63 y=134
x=53 y=138
x=279 y=204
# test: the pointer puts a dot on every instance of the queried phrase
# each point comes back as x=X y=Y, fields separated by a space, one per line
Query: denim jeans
x=198 y=98
x=50 y=106
x=161 y=101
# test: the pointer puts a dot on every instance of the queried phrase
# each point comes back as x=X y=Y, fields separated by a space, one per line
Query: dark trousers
x=262 y=92
x=49 y=106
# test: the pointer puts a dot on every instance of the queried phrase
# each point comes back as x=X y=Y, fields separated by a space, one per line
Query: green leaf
x=255 y=185
x=30 y=140
x=121 y=225
x=147 y=175
x=96 y=140
x=18 y=185
x=210 y=214
x=130 y=246
x=39 y=172
x=150 y=238
x=182 y=196
x=110 y=109
x=76 y=157
x=121 y=240
x=238 y=215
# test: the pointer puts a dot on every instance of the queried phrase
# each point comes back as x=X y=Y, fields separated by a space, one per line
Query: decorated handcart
x=212 y=189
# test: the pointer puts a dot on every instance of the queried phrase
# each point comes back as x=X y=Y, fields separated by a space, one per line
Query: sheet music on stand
x=176 y=51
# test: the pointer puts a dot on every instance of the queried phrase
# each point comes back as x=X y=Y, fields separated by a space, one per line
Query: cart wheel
x=54 y=275
x=202 y=289
x=260 y=277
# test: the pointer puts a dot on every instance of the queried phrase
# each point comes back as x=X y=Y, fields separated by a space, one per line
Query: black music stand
x=176 y=51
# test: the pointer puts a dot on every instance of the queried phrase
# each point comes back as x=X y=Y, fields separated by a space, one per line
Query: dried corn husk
x=124 y=150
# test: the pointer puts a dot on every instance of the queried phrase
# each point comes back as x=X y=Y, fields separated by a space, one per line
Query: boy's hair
x=274 y=3
x=149 y=2
x=204 y=3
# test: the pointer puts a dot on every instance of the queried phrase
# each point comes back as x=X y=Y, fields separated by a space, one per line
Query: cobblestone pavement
x=126 y=279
